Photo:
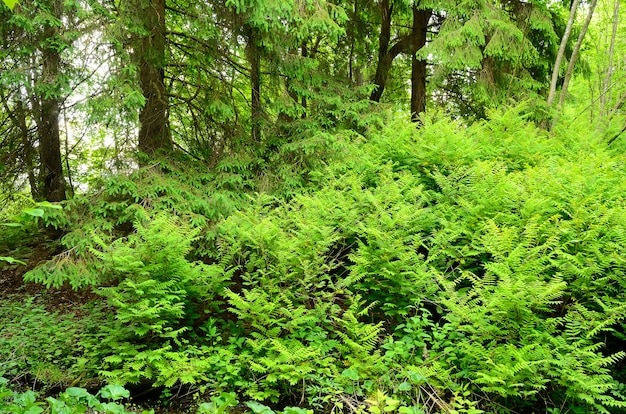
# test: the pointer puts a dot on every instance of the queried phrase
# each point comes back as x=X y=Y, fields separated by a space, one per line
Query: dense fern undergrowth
x=450 y=268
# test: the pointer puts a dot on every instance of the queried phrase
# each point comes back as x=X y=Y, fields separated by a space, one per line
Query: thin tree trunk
x=18 y=118
x=28 y=150
x=575 y=52
x=154 y=134
x=352 y=36
x=561 y=52
x=418 y=66
x=48 y=125
x=254 y=58
x=609 y=73
x=67 y=157
x=303 y=101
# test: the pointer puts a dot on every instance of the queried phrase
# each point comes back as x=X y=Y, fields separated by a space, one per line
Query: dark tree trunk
x=418 y=66
x=18 y=118
x=154 y=134
x=384 y=58
x=386 y=54
x=254 y=58
x=48 y=125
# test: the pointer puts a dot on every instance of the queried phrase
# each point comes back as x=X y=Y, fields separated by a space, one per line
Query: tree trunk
x=574 y=57
x=605 y=96
x=154 y=134
x=48 y=125
x=384 y=58
x=418 y=66
x=561 y=52
x=28 y=150
x=18 y=118
x=254 y=58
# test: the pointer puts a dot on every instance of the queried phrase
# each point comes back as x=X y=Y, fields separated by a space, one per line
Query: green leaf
x=405 y=386
x=296 y=410
x=76 y=392
x=11 y=260
x=114 y=392
x=350 y=373
x=259 y=408
x=10 y=3
x=411 y=410
x=48 y=204
x=35 y=212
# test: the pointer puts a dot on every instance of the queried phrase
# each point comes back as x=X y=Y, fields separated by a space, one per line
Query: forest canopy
x=300 y=206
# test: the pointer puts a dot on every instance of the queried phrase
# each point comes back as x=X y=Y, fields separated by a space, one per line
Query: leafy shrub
x=71 y=401
x=448 y=268
x=158 y=297
x=496 y=235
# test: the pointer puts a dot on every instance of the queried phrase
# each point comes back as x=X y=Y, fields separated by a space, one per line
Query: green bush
x=447 y=268
x=158 y=296
x=71 y=401
x=502 y=242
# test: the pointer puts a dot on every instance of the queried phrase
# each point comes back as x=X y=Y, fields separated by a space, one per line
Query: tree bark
x=418 y=66
x=384 y=57
x=48 y=123
x=154 y=133
x=387 y=54
x=254 y=58
x=605 y=97
x=561 y=52
x=574 y=57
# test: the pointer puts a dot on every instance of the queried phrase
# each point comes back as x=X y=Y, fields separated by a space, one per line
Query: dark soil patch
x=63 y=299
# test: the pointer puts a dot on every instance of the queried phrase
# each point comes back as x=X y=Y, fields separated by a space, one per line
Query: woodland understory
x=300 y=206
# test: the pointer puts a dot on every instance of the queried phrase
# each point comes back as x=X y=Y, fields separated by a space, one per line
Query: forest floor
x=63 y=299
x=66 y=300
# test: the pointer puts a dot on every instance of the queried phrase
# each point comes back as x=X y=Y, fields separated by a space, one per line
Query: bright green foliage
x=76 y=400
x=448 y=268
x=29 y=214
x=487 y=53
x=10 y=3
x=466 y=225
x=158 y=296
x=182 y=187
x=91 y=223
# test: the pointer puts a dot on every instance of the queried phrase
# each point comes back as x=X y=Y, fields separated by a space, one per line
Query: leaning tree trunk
x=48 y=123
x=561 y=52
x=575 y=52
x=384 y=57
x=154 y=134
x=606 y=87
x=418 y=66
x=387 y=54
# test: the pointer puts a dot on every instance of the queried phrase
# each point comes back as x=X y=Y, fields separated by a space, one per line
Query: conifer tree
x=150 y=54
x=35 y=89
